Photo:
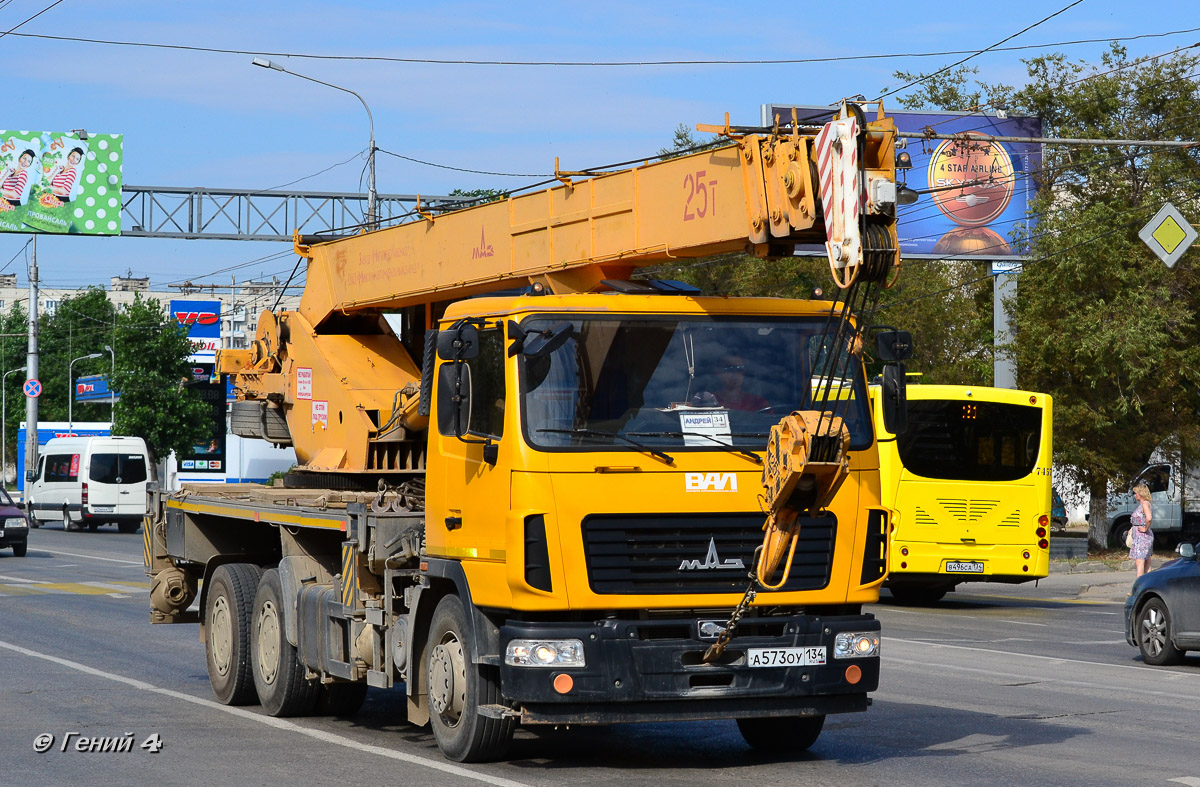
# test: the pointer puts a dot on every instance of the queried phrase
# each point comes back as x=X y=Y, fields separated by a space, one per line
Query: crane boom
x=759 y=194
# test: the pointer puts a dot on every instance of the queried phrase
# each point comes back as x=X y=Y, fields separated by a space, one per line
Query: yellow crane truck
x=531 y=483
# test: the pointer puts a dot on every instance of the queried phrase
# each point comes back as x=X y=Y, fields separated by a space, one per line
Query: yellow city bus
x=969 y=484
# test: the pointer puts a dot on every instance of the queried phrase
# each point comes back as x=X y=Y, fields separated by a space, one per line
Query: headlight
x=855 y=644
x=545 y=653
x=15 y=523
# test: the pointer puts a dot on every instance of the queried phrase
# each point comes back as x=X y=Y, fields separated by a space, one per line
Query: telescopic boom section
x=760 y=194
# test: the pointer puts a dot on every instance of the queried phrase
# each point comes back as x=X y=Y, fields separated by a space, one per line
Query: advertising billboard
x=975 y=190
x=203 y=321
x=60 y=183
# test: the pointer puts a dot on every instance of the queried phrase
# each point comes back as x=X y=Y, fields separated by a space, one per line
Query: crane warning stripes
x=841 y=198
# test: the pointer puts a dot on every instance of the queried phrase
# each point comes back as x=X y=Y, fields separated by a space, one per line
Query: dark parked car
x=1162 y=614
x=14 y=527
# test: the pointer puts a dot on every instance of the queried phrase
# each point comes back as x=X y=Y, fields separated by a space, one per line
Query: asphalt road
x=996 y=685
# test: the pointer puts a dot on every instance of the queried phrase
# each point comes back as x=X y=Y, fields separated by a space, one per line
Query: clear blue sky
x=204 y=119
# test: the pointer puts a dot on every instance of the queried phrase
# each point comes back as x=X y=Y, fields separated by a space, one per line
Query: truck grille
x=695 y=553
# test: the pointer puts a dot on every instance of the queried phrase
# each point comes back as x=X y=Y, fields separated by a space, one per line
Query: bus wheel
x=787 y=734
x=278 y=675
x=912 y=594
x=458 y=688
x=227 y=610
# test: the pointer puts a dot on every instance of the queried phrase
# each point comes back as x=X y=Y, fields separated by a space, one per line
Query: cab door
x=1164 y=496
x=468 y=492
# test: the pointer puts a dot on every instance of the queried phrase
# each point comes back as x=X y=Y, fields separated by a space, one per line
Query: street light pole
x=71 y=392
x=4 y=426
x=112 y=397
x=372 y=219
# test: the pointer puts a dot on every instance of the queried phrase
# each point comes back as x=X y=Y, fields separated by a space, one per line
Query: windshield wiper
x=733 y=448
x=601 y=433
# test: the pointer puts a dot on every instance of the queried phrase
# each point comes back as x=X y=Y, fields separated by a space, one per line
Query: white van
x=90 y=481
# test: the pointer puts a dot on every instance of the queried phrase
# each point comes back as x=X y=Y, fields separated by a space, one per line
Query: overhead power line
x=594 y=63
x=981 y=51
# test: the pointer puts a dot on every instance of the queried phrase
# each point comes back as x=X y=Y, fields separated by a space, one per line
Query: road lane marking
x=270 y=721
x=1022 y=622
x=1159 y=671
x=90 y=557
x=29 y=587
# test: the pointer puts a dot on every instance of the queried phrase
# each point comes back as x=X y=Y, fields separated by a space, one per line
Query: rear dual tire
x=228 y=610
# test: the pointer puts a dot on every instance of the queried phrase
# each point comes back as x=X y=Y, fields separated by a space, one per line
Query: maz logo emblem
x=712 y=561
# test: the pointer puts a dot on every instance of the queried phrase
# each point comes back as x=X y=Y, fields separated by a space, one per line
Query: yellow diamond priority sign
x=1168 y=234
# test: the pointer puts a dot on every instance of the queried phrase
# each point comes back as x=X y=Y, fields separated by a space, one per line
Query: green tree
x=1103 y=326
x=683 y=142
x=479 y=196
x=78 y=326
x=153 y=376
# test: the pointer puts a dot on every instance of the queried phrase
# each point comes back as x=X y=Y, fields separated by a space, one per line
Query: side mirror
x=458 y=343
x=893 y=346
x=894 y=397
x=1186 y=551
x=454 y=397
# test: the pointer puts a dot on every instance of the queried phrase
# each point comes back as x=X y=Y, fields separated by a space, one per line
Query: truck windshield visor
x=703 y=383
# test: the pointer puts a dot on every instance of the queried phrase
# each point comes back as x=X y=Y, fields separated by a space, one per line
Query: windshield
x=970 y=441
x=695 y=382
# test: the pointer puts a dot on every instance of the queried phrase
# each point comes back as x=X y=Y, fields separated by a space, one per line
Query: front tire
x=787 y=734
x=1153 y=632
x=227 y=611
x=19 y=550
x=278 y=675
x=457 y=688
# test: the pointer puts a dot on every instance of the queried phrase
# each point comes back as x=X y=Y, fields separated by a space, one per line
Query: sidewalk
x=1087 y=581
x=1092 y=580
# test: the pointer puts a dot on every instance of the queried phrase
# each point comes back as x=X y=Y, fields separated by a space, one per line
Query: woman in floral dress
x=1142 y=548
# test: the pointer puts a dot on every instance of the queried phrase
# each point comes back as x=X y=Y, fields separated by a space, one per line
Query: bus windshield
x=682 y=382
x=970 y=440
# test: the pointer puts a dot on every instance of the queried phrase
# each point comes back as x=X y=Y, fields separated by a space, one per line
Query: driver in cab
x=730 y=377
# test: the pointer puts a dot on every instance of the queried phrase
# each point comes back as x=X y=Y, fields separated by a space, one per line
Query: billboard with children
x=62 y=183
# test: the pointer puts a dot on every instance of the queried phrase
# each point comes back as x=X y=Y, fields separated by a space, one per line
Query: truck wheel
x=1116 y=536
x=341 y=699
x=278 y=675
x=20 y=549
x=787 y=734
x=457 y=689
x=790 y=733
x=34 y=522
x=128 y=527
x=227 y=632
x=1152 y=629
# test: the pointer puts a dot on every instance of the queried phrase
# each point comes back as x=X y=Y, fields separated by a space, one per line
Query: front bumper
x=13 y=535
x=652 y=670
